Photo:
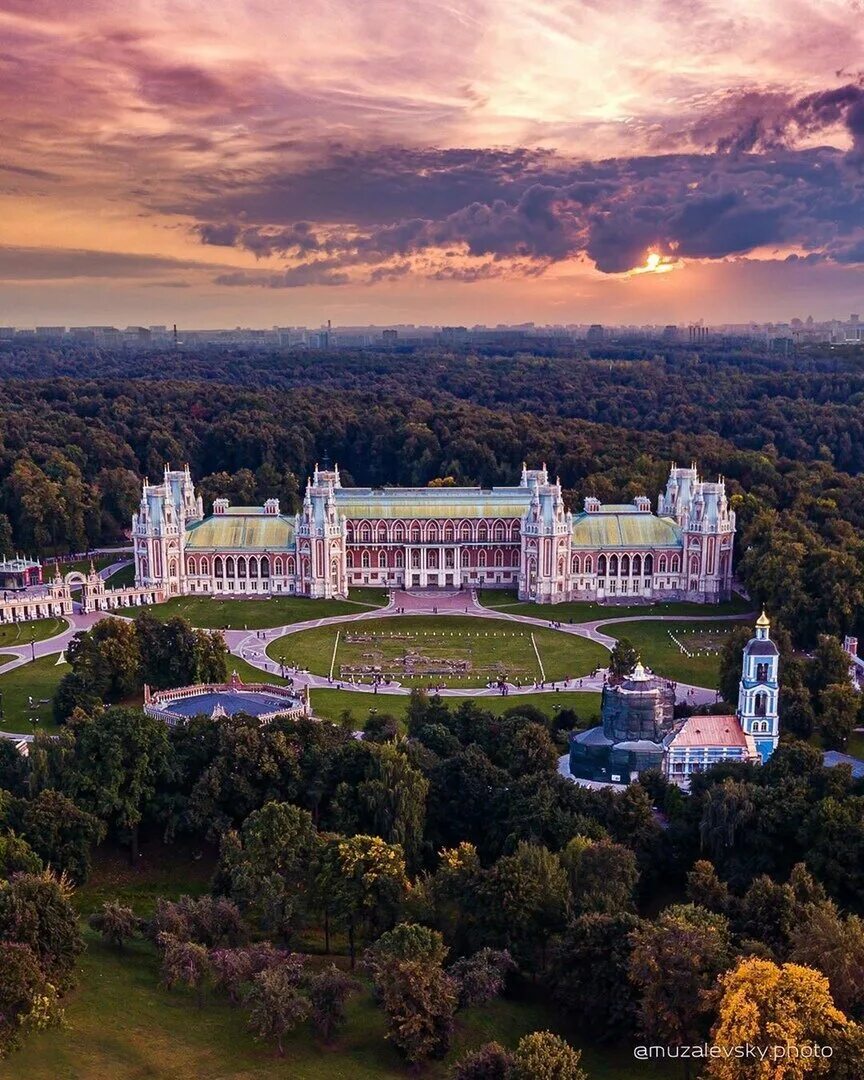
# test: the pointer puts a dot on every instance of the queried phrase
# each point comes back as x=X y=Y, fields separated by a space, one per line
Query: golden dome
x=763 y=620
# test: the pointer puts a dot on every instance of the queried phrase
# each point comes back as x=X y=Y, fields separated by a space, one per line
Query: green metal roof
x=237 y=532
x=456 y=503
x=610 y=529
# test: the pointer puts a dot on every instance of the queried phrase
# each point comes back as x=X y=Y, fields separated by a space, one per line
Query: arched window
x=499 y=530
x=382 y=534
x=229 y=566
x=365 y=560
x=637 y=566
x=625 y=566
x=694 y=564
x=205 y=566
x=415 y=559
x=265 y=566
x=601 y=566
x=466 y=532
x=253 y=567
x=241 y=566
x=415 y=532
x=648 y=568
x=482 y=531
x=349 y=560
x=432 y=559
x=400 y=560
x=761 y=704
x=589 y=565
x=613 y=565
x=662 y=564
x=499 y=557
x=365 y=532
x=432 y=532
x=676 y=564
x=291 y=565
x=449 y=534
x=577 y=565
x=399 y=532
x=382 y=559
x=191 y=566
x=482 y=559
x=218 y=569
x=561 y=568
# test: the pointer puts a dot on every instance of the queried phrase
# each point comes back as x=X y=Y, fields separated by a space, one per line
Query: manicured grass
x=38 y=680
x=489 y=647
x=331 y=704
x=584 y=611
x=120 y=1024
x=662 y=655
x=122 y=578
x=18 y=634
x=262 y=614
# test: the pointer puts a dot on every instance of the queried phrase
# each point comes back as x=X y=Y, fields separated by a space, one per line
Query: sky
x=282 y=162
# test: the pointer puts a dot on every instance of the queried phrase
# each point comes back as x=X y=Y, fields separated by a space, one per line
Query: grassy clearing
x=17 y=635
x=331 y=704
x=451 y=650
x=37 y=680
x=262 y=614
x=121 y=1024
x=584 y=611
x=661 y=654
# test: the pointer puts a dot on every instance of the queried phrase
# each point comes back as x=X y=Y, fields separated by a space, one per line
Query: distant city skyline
x=248 y=162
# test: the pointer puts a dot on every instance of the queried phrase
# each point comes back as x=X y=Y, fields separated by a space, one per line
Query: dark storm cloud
x=370 y=188
x=542 y=209
x=769 y=121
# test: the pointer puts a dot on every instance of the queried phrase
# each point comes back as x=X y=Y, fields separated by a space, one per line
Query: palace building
x=521 y=537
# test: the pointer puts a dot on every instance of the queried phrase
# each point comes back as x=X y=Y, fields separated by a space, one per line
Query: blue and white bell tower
x=759 y=690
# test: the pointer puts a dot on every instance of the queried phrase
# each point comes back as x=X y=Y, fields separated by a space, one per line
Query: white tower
x=759 y=690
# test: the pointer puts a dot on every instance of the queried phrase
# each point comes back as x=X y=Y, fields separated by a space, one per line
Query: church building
x=639 y=730
x=521 y=537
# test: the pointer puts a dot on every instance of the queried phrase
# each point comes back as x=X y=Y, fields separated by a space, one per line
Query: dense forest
x=79 y=428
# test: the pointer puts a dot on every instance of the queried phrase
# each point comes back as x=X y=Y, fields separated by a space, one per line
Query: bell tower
x=759 y=690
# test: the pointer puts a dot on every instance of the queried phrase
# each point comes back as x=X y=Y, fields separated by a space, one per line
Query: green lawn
x=22 y=633
x=38 y=680
x=123 y=577
x=262 y=614
x=487 y=647
x=330 y=704
x=661 y=654
x=585 y=611
x=120 y=1024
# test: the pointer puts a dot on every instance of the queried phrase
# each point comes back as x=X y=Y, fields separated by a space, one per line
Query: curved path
x=23 y=654
x=251 y=645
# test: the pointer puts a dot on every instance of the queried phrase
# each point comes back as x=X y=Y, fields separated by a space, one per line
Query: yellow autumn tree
x=786 y=1012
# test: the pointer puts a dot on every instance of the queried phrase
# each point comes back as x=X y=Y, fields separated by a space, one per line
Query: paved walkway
x=251 y=645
